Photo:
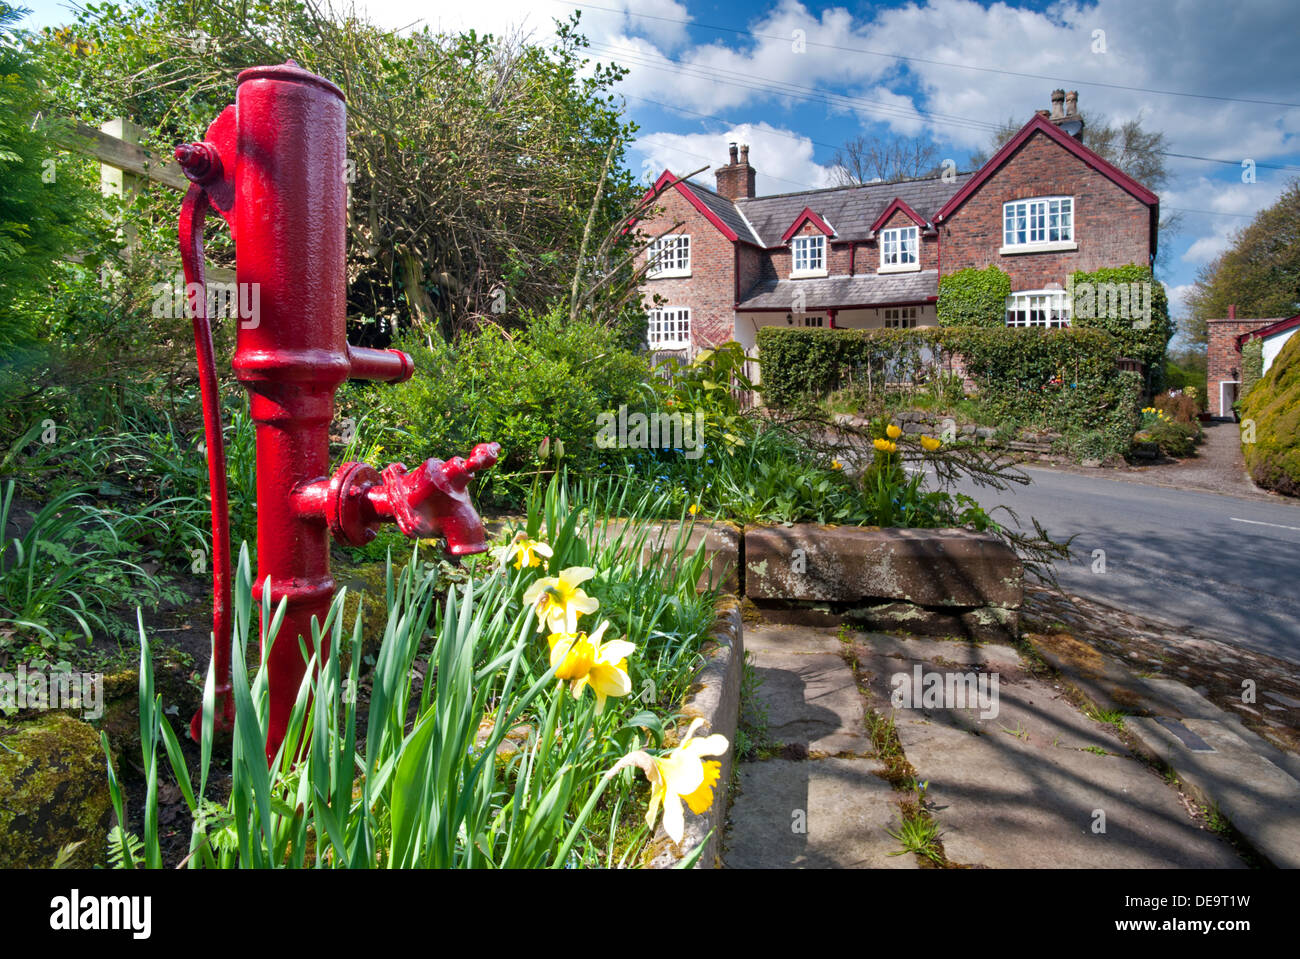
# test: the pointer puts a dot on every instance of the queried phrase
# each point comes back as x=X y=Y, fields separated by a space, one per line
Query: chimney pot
x=1232 y=311
x=1058 y=99
x=731 y=149
x=1072 y=103
x=744 y=153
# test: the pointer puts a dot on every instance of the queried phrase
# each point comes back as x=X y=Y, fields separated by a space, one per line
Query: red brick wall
x=1223 y=362
x=751 y=266
x=1111 y=226
x=710 y=291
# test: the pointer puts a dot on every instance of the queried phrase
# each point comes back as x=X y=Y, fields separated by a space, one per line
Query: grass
x=753 y=735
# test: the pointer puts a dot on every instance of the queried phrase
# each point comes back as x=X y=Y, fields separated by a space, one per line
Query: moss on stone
x=1273 y=406
x=55 y=793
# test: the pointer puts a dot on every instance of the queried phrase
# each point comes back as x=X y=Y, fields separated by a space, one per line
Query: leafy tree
x=474 y=160
x=43 y=197
x=1259 y=272
x=865 y=160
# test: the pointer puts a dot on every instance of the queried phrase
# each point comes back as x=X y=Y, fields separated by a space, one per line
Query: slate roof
x=843 y=291
x=726 y=211
x=849 y=210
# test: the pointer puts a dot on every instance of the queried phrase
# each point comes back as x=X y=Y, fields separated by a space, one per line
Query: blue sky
x=795 y=79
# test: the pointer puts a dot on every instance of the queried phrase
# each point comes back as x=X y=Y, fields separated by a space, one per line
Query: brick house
x=727 y=262
x=1223 y=353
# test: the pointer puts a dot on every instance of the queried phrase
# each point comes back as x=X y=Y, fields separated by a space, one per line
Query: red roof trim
x=667 y=177
x=1041 y=125
x=1277 y=326
x=893 y=208
x=810 y=217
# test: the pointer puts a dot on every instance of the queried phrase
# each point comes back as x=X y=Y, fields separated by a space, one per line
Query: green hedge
x=974 y=297
x=1273 y=407
x=1131 y=306
x=1062 y=379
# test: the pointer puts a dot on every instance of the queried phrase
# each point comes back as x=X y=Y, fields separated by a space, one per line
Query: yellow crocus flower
x=585 y=661
x=893 y=432
x=559 y=602
x=681 y=775
x=929 y=444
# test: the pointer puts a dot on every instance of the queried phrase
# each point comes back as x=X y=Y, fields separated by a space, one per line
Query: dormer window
x=669 y=256
x=898 y=252
x=808 y=256
x=1039 y=225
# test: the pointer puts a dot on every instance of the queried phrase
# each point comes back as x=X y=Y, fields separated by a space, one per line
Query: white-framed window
x=670 y=328
x=1042 y=222
x=1039 y=308
x=900 y=317
x=669 y=256
x=808 y=256
x=898 y=249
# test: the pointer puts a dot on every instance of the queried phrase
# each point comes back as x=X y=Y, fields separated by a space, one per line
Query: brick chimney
x=1065 y=112
x=736 y=179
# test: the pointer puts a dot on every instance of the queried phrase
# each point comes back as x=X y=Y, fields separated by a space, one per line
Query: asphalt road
x=1225 y=565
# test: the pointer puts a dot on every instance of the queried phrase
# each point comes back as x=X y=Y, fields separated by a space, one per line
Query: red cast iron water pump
x=273 y=166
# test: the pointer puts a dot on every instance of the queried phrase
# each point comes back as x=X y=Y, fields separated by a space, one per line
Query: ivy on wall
x=974 y=297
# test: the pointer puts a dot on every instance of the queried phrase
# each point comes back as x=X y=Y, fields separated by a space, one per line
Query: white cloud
x=783 y=160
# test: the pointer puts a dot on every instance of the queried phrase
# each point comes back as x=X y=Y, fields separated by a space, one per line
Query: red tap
x=273 y=166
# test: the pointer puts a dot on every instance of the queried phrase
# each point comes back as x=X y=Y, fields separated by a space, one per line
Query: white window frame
x=900 y=317
x=1029 y=225
x=669 y=256
x=1039 y=308
x=900 y=250
x=812 y=250
x=669 y=328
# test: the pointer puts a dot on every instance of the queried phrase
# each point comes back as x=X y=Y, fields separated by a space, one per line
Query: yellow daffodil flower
x=585 y=661
x=929 y=443
x=559 y=602
x=695 y=508
x=524 y=551
x=836 y=465
x=885 y=446
x=683 y=774
x=893 y=432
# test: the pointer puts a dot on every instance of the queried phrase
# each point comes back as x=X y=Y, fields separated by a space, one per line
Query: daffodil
x=682 y=774
x=585 y=661
x=695 y=508
x=524 y=551
x=559 y=602
x=929 y=443
x=836 y=465
x=885 y=446
x=893 y=431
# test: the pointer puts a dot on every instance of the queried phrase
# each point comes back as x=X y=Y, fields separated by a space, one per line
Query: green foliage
x=1259 y=273
x=45 y=202
x=63 y=576
x=551 y=379
x=1252 y=364
x=1273 y=410
x=1131 y=306
x=474 y=160
x=479 y=719
x=974 y=297
x=1056 y=379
